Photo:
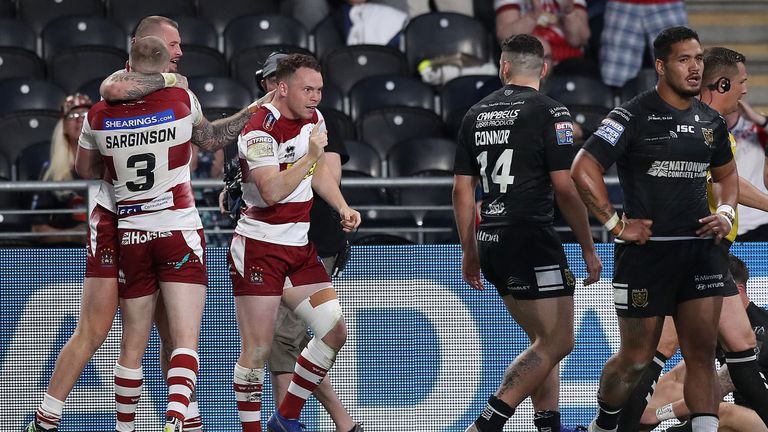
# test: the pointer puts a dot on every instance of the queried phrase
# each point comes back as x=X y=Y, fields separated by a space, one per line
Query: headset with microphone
x=722 y=85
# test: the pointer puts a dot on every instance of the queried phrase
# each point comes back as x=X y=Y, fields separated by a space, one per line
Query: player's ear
x=659 y=67
x=282 y=88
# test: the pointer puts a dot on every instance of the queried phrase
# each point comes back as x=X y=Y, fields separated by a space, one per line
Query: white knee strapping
x=319 y=353
x=321 y=318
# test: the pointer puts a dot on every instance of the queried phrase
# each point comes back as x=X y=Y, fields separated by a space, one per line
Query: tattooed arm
x=587 y=174
x=127 y=86
x=212 y=136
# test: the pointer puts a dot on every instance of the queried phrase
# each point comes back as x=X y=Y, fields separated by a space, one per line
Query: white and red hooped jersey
x=146 y=149
x=270 y=139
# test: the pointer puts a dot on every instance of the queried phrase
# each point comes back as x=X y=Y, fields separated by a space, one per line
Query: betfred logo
x=140 y=237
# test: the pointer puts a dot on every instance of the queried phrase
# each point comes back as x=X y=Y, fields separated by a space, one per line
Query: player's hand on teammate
x=317 y=142
x=594 y=266
x=715 y=225
x=350 y=218
x=181 y=81
x=260 y=102
x=470 y=270
x=636 y=230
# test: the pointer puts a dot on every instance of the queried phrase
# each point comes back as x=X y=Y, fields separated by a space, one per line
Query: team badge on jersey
x=709 y=136
x=640 y=298
x=269 y=122
x=107 y=257
x=259 y=147
x=564 y=133
x=255 y=275
x=610 y=130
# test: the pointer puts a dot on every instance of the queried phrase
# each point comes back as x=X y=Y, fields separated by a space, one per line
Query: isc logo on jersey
x=492 y=137
x=610 y=130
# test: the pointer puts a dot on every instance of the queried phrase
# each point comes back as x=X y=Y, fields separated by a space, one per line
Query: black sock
x=607 y=416
x=745 y=374
x=629 y=420
x=547 y=421
x=494 y=415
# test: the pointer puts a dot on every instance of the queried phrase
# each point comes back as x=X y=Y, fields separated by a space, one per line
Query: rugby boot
x=278 y=423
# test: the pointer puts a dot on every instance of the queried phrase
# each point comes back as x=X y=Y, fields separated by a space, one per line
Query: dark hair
x=149 y=23
x=738 y=269
x=720 y=62
x=523 y=44
x=289 y=65
x=662 y=45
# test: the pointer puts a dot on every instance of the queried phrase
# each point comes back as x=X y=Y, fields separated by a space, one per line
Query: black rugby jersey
x=758 y=319
x=512 y=139
x=663 y=155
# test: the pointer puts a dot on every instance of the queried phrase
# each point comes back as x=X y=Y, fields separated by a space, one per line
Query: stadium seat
x=21 y=94
x=20 y=63
x=588 y=116
x=5 y=168
x=341 y=121
x=221 y=12
x=38 y=13
x=220 y=93
x=202 y=61
x=31 y=160
x=389 y=90
x=579 y=90
x=127 y=14
x=7 y=8
x=364 y=160
x=459 y=94
x=424 y=157
x=257 y=30
x=16 y=34
x=22 y=129
x=329 y=34
x=385 y=127
x=196 y=31
x=346 y=66
x=445 y=33
x=332 y=97
x=244 y=64
x=421 y=156
x=645 y=80
x=74 y=67
x=77 y=31
x=91 y=88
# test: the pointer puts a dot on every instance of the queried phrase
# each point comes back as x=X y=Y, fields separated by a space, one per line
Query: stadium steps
x=739 y=25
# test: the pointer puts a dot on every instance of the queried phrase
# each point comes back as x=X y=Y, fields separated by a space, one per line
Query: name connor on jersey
x=491 y=137
x=141 y=138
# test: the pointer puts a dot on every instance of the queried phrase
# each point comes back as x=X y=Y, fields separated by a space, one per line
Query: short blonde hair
x=149 y=55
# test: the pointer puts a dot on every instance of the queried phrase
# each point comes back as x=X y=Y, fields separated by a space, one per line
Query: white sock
x=704 y=423
x=48 y=415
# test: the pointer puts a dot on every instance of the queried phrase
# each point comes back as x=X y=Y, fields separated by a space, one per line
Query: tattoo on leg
x=521 y=367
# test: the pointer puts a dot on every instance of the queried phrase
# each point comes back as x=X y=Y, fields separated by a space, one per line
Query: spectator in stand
x=628 y=27
x=562 y=23
x=748 y=127
x=60 y=167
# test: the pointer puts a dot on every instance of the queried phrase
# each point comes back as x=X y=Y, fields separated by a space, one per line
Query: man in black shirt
x=664 y=141
x=667 y=402
x=517 y=143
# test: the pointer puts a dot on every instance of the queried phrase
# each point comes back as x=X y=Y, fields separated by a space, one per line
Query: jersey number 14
x=499 y=173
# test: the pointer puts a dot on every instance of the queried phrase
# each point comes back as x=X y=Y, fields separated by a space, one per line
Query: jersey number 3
x=499 y=173
x=144 y=164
